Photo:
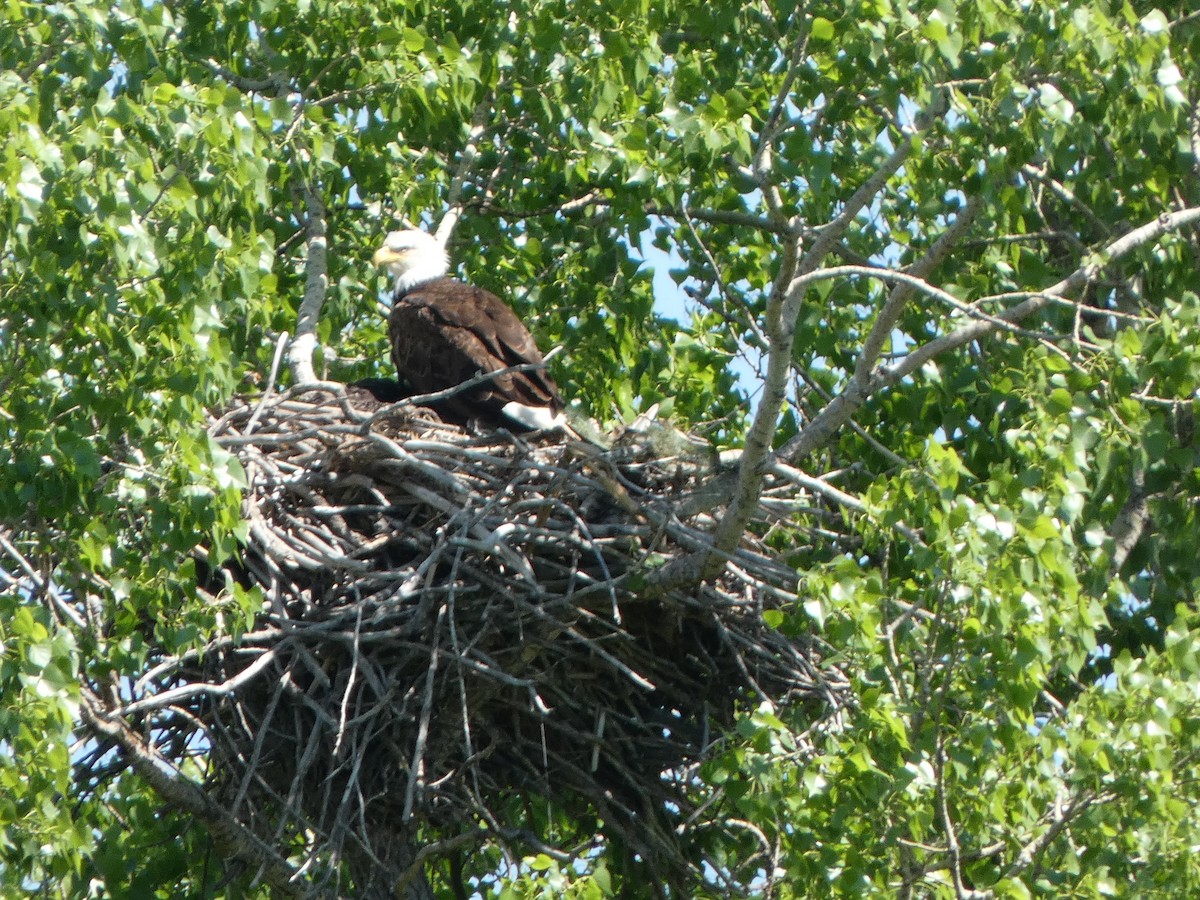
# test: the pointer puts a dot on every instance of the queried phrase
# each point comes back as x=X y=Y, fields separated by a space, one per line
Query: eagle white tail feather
x=539 y=418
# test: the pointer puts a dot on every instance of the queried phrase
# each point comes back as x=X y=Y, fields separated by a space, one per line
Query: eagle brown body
x=444 y=333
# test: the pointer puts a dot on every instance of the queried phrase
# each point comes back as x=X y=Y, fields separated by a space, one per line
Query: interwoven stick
x=454 y=617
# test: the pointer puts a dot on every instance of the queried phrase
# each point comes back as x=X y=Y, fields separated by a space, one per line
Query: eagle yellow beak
x=385 y=256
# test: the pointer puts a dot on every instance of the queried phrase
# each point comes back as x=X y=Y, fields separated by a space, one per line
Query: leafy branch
x=844 y=405
x=783 y=310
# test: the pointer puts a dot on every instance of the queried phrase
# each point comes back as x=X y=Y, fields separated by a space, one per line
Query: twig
x=280 y=346
x=415 y=766
x=224 y=689
x=43 y=585
x=439 y=396
x=348 y=691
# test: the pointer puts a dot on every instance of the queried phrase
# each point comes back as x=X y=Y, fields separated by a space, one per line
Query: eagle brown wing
x=445 y=332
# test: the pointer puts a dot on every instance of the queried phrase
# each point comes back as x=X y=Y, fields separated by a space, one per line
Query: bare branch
x=1087 y=273
x=316 y=283
x=764 y=153
x=748 y=321
x=230 y=835
x=783 y=308
x=466 y=163
x=827 y=490
x=593 y=197
x=844 y=405
x=902 y=292
x=277 y=83
x=171 y=697
x=43 y=585
x=1060 y=817
x=781 y=324
x=718 y=217
x=829 y=236
x=1067 y=196
x=913 y=284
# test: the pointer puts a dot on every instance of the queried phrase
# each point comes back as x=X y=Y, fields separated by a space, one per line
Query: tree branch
x=316 y=282
x=593 y=197
x=706 y=564
x=1060 y=818
x=764 y=153
x=715 y=217
x=829 y=236
x=466 y=162
x=1130 y=522
x=882 y=329
x=845 y=404
x=234 y=839
x=781 y=330
x=953 y=851
x=783 y=309
x=902 y=292
x=1067 y=196
x=833 y=494
x=277 y=83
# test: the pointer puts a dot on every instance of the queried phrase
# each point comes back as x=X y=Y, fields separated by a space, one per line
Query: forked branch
x=783 y=309
x=845 y=404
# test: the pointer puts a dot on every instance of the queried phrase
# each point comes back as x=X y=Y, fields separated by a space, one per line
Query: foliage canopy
x=947 y=253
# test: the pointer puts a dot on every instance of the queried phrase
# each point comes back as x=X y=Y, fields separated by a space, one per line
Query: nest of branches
x=459 y=635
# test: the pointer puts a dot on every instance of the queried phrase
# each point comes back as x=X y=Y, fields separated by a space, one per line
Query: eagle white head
x=412 y=257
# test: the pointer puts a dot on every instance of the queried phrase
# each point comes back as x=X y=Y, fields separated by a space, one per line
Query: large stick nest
x=458 y=637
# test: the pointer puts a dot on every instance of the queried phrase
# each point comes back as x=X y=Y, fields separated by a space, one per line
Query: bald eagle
x=444 y=332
